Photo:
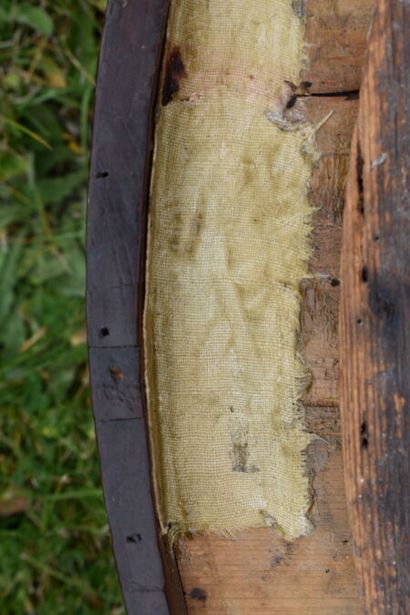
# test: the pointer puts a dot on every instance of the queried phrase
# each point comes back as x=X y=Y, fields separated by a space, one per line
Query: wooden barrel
x=258 y=571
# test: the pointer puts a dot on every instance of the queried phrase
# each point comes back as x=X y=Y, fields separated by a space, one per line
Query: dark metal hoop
x=116 y=228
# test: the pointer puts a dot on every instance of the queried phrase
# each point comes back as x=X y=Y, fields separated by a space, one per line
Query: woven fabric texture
x=228 y=246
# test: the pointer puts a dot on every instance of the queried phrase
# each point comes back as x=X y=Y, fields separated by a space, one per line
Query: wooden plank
x=375 y=319
x=320 y=294
x=119 y=178
x=336 y=41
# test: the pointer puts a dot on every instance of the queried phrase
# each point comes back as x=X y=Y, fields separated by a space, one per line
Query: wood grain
x=336 y=41
x=320 y=293
x=375 y=319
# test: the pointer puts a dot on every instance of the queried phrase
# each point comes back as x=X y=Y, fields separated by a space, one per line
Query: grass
x=55 y=554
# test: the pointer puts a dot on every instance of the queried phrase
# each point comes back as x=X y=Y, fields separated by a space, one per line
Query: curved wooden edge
x=116 y=226
x=375 y=318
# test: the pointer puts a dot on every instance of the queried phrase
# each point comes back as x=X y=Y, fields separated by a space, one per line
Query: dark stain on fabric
x=298 y=7
x=240 y=451
x=184 y=238
x=174 y=72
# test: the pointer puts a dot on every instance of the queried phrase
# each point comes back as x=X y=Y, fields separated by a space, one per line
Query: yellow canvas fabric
x=228 y=245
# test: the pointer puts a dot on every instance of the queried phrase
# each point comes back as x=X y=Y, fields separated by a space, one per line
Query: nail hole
x=101 y=174
x=365 y=275
x=134 y=538
x=364 y=436
x=359 y=321
x=376 y=237
x=334 y=282
x=104 y=332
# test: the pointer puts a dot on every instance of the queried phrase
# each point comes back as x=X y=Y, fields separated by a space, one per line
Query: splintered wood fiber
x=228 y=246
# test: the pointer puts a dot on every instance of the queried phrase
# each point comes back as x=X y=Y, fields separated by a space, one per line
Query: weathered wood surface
x=336 y=41
x=375 y=319
x=320 y=307
x=119 y=177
